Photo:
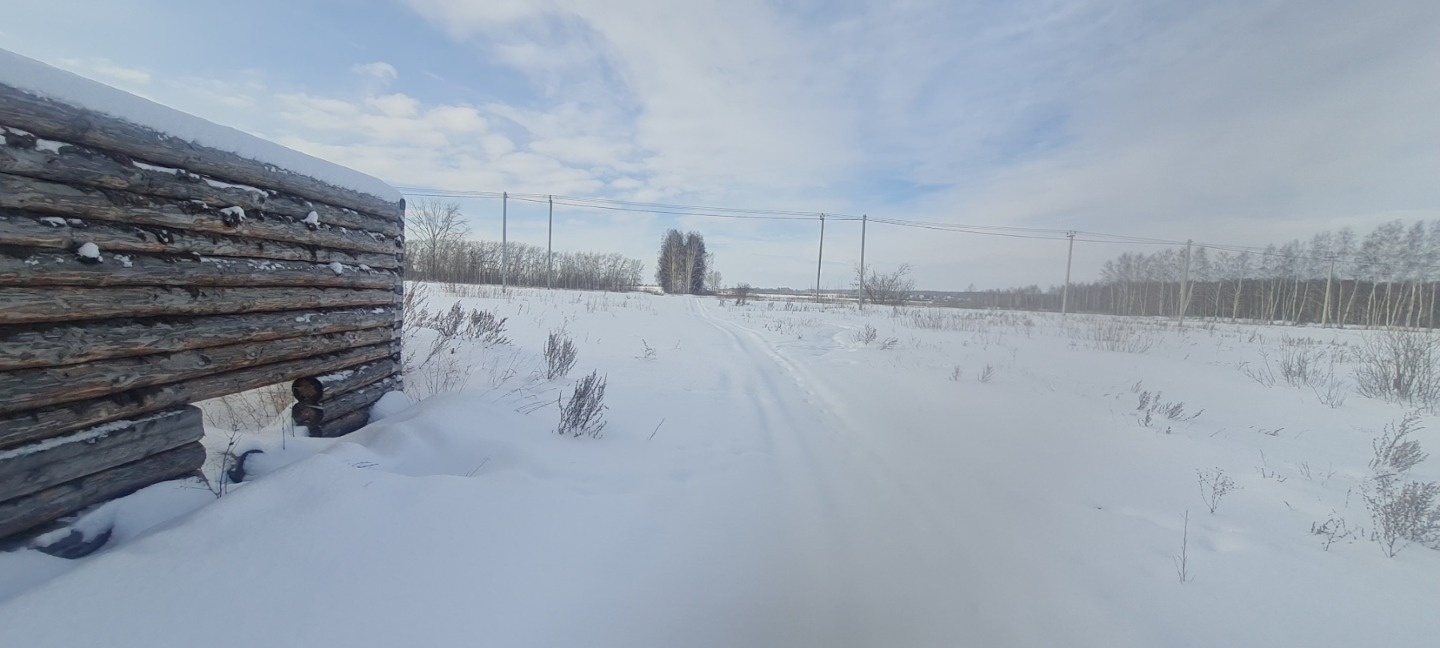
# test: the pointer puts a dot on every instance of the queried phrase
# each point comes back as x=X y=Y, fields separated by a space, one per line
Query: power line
x=744 y=213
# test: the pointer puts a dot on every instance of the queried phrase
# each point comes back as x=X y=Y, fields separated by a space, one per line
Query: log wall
x=140 y=273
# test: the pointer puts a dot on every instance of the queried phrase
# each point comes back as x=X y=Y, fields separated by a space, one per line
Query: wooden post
x=550 y=244
x=864 y=219
x=1184 y=287
x=820 y=260
x=1069 y=256
x=504 y=241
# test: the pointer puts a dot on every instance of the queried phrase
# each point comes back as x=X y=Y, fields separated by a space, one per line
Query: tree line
x=1387 y=277
x=436 y=250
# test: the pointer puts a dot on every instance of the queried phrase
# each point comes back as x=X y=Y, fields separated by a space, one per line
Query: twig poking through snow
x=1182 y=561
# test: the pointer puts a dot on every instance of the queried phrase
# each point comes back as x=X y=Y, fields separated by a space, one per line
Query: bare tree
x=432 y=230
x=713 y=281
x=890 y=289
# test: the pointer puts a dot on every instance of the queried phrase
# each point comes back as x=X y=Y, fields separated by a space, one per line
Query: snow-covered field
x=768 y=478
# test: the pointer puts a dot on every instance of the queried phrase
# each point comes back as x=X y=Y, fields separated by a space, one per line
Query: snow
x=49 y=146
x=53 y=221
x=43 y=80
x=237 y=212
x=89 y=250
x=801 y=488
x=157 y=168
x=337 y=267
x=390 y=404
x=312 y=219
x=230 y=185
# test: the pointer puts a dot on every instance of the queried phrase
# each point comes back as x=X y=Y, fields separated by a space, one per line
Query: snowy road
x=887 y=530
x=766 y=480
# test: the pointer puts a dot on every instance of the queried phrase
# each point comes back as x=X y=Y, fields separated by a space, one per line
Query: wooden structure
x=141 y=272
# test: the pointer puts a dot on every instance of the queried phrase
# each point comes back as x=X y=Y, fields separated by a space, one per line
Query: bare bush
x=866 y=335
x=1262 y=373
x=1332 y=530
x=1152 y=407
x=889 y=344
x=951 y=319
x=956 y=373
x=1332 y=394
x=1214 y=485
x=583 y=414
x=1395 y=452
x=987 y=374
x=1305 y=365
x=1115 y=334
x=1402 y=510
x=886 y=289
x=742 y=294
x=441 y=364
x=1400 y=366
x=472 y=325
x=560 y=355
x=443 y=373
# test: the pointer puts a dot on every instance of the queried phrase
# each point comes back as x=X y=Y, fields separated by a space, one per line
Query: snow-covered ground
x=767 y=478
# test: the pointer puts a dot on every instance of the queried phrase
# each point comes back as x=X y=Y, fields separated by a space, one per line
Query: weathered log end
x=311 y=390
x=344 y=424
x=307 y=415
x=307 y=390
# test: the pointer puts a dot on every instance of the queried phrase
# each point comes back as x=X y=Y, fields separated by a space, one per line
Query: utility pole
x=820 y=260
x=1185 y=285
x=1330 y=279
x=504 y=241
x=864 y=220
x=1069 y=256
x=550 y=244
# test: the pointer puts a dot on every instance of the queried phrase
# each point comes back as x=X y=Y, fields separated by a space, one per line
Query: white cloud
x=720 y=93
x=1235 y=120
x=379 y=71
x=395 y=105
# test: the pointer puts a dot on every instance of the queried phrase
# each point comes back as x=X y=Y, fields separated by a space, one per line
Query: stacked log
x=339 y=403
x=140 y=273
x=44 y=481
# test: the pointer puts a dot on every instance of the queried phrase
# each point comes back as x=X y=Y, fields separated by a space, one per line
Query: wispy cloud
x=1235 y=119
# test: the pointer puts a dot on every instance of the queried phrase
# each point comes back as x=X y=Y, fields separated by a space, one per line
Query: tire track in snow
x=819 y=540
x=928 y=509
x=888 y=549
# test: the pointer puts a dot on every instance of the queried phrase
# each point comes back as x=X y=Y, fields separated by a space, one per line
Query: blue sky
x=1229 y=121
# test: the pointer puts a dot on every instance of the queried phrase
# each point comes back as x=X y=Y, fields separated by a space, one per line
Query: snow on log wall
x=141 y=271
